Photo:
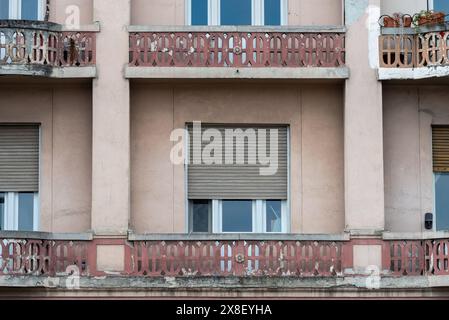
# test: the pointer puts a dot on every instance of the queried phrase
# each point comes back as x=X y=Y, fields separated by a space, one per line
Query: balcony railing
x=237 y=47
x=410 y=49
x=43 y=44
x=20 y=256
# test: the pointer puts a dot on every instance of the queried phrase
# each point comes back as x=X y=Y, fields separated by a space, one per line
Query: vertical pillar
x=111 y=121
x=363 y=137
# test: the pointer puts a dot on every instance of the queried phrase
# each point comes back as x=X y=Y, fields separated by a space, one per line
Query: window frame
x=257 y=12
x=435 y=216
x=11 y=211
x=15 y=10
x=259 y=222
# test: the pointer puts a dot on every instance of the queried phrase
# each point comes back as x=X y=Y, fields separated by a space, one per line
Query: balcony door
x=22 y=9
x=237 y=12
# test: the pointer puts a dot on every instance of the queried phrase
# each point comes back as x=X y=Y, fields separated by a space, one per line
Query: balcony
x=237 y=52
x=45 y=49
x=414 y=53
x=229 y=262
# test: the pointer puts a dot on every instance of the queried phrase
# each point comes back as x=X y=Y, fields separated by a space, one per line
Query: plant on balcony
x=428 y=17
x=396 y=20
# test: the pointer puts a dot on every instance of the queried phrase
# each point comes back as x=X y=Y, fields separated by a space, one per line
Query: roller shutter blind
x=440 y=148
x=239 y=181
x=19 y=158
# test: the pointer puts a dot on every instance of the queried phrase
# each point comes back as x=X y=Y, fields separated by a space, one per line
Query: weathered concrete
x=240 y=236
x=47 y=71
x=413 y=73
x=235 y=73
x=87 y=236
x=297 y=29
x=226 y=287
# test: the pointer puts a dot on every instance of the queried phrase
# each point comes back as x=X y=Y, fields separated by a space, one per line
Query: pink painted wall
x=409 y=112
x=64 y=112
x=314 y=113
x=58 y=10
x=173 y=12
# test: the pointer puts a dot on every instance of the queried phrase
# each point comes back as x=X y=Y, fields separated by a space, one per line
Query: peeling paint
x=354 y=9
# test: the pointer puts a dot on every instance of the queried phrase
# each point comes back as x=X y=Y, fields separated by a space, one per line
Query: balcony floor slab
x=48 y=71
x=235 y=73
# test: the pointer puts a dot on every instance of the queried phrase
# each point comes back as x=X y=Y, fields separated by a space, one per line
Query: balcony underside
x=437 y=72
x=225 y=287
x=236 y=73
x=49 y=71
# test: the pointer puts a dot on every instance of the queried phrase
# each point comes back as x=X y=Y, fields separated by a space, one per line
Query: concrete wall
x=314 y=114
x=300 y=12
x=64 y=112
x=315 y=12
x=409 y=112
x=404 y=6
x=58 y=10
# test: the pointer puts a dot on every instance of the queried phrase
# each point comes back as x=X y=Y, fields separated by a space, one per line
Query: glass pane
x=2 y=210
x=237 y=216
x=272 y=13
x=29 y=9
x=274 y=215
x=200 y=215
x=26 y=208
x=442 y=201
x=199 y=12
x=441 y=5
x=4 y=9
x=235 y=12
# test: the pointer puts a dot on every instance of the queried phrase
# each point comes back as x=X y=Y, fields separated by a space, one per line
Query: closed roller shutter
x=239 y=180
x=440 y=147
x=19 y=158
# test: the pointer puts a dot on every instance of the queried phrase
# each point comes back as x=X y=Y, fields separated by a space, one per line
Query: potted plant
x=428 y=17
x=396 y=20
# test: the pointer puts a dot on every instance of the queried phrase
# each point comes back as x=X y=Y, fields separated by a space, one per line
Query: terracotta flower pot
x=395 y=22
x=434 y=18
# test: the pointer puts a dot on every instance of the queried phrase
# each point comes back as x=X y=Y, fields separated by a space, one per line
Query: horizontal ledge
x=302 y=29
x=235 y=73
x=414 y=30
x=413 y=73
x=86 y=236
x=47 y=26
x=427 y=235
x=48 y=71
x=238 y=236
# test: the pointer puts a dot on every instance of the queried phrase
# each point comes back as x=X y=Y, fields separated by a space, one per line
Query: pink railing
x=42 y=45
x=42 y=257
x=414 y=50
x=237 y=258
x=241 y=258
x=237 y=49
x=419 y=257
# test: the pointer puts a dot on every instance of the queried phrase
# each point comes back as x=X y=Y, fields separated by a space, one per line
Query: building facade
x=115 y=174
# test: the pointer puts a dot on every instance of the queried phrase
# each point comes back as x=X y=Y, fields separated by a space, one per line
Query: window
x=238 y=216
x=200 y=216
x=19 y=211
x=440 y=146
x=442 y=201
x=19 y=177
x=237 y=177
x=22 y=9
x=236 y=12
x=440 y=5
